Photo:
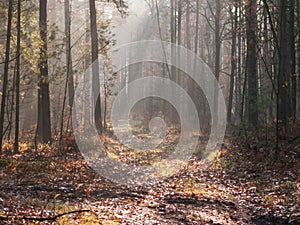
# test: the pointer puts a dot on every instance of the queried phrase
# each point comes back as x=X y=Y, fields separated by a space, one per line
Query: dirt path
x=232 y=190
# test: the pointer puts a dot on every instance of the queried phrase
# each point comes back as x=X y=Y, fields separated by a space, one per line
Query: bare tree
x=218 y=43
x=284 y=68
x=293 y=59
x=17 y=115
x=251 y=62
x=95 y=66
x=69 y=78
x=6 y=70
x=234 y=23
x=44 y=124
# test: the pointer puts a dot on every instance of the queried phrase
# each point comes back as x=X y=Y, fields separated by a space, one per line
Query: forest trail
x=231 y=190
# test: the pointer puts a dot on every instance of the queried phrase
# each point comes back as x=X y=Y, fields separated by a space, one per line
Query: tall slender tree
x=44 y=124
x=251 y=62
x=95 y=66
x=69 y=84
x=17 y=115
x=284 y=66
x=70 y=76
x=6 y=70
x=234 y=23
x=292 y=47
x=218 y=44
x=298 y=25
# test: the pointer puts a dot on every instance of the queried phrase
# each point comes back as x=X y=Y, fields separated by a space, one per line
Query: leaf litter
x=45 y=187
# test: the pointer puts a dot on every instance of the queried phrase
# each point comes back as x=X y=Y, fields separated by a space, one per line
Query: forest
x=150 y=112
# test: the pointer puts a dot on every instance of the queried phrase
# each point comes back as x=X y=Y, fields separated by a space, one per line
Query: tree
x=6 y=70
x=95 y=66
x=234 y=23
x=70 y=78
x=293 y=59
x=251 y=62
x=173 y=33
x=17 y=115
x=216 y=13
x=218 y=43
x=284 y=65
x=298 y=25
x=69 y=84
x=43 y=124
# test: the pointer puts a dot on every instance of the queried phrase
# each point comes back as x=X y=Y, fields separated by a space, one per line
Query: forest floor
x=243 y=186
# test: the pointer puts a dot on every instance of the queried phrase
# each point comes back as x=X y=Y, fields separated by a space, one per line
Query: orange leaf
x=88 y=192
x=222 y=152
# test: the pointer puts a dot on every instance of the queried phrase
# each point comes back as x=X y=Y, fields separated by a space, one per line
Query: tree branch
x=10 y=59
x=53 y=218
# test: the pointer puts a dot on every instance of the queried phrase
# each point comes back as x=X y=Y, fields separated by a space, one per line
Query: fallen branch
x=53 y=218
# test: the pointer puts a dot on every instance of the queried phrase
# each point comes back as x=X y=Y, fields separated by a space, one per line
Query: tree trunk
x=197 y=26
x=238 y=107
x=69 y=78
x=268 y=75
x=173 y=29
x=218 y=43
x=69 y=61
x=17 y=115
x=188 y=83
x=179 y=36
x=298 y=23
x=293 y=59
x=179 y=22
x=6 y=69
x=95 y=67
x=251 y=62
x=233 y=62
x=44 y=125
x=187 y=24
x=173 y=52
x=284 y=66
x=87 y=61
x=193 y=85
